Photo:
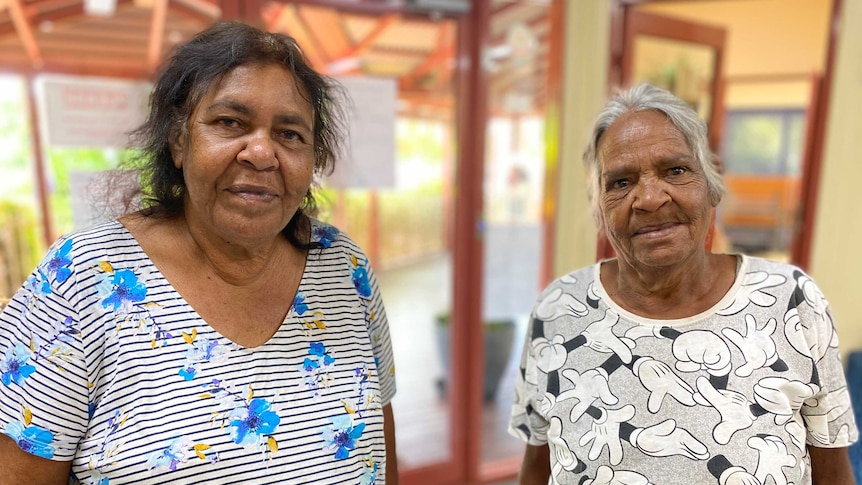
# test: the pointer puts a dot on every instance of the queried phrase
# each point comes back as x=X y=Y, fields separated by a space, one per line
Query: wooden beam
x=25 y=32
x=42 y=188
x=286 y=20
x=327 y=30
x=89 y=48
x=443 y=53
x=270 y=14
x=207 y=9
x=366 y=43
x=157 y=35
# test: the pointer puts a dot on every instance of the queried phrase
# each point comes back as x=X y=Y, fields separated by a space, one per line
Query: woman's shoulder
x=581 y=278
x=323 y=234
x=328 y=237
x=106 y=234
x=757 y=264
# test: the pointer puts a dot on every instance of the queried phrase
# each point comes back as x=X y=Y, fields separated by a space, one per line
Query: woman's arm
x=830 y=466
x=536 y=467
x=389 y=437
x=17 y=467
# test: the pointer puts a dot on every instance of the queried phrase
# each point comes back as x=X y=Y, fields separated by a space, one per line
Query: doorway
x=770 y=89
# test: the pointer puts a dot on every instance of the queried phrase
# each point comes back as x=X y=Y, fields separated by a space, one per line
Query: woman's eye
x=291 y=135
x=228 y=122
x=677 y=171
x=620 y=184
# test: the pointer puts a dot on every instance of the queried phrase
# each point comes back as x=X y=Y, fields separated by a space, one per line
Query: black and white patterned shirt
x=732 y=395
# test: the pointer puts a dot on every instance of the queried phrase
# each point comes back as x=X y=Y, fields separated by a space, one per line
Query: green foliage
x=420 y=139
x=20 y=245
x=64 y=161
x=17 y=180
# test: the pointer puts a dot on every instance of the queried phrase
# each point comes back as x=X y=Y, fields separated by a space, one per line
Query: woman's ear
x=176 y=142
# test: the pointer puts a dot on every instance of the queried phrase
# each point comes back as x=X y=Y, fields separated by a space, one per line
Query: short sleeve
x=43 y=378
x=381 y=342
x=526 y=423
x=828 y=415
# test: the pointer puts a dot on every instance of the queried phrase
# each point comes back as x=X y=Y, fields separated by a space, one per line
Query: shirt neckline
x=742 y=263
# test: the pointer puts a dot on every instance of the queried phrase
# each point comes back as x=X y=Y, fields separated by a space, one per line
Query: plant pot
x=498 y=337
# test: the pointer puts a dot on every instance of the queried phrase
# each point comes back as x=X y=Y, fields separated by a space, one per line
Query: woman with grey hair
x=220 y=334
x=669 y=364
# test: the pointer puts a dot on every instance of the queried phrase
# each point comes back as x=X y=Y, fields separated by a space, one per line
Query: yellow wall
x=585 y=74
x=778 y=42
x=764 y=37
x=836 y=261
x=767 y=94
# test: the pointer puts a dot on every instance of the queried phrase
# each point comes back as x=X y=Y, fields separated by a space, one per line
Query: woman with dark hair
x=220 y=333
x=670 y=364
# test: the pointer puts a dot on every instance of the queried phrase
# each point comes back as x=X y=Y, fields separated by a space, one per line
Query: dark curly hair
x=189 y=73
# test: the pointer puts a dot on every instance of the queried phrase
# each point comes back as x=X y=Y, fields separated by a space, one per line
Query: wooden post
x=39 y=163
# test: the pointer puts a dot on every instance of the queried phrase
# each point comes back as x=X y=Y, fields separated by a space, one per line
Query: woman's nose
x=259 y=151
x=649 y=194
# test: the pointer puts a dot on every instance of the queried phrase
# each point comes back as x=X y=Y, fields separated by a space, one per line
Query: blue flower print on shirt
x=366 y=399
x=324 y=234
x=341 y=435
x=56 y=348
x=254 y=422
x=178 y=451
x=59 y=261
x=201 y=350
x=369 y=477
x=31 y=438
x=318 y=350
x=299 y=303
x=96 y=478
x=65 y=330
x=315 y=368
x=36 y=288
x=360 y=281
x=14 y=366
x=360 y=276
x=120 y=290
x=309 y=365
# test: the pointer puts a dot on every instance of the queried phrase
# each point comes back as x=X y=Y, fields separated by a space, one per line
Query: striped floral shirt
x=103 y=363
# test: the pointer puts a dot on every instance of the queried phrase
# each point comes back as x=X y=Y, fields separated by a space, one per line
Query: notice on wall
x=368 y=161
x=77 y=111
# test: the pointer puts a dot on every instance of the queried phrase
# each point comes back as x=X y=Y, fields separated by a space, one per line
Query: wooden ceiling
x=59 y=36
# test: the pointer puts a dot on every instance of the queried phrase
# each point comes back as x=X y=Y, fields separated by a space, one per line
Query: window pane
x=762 y=155
x=754 y=144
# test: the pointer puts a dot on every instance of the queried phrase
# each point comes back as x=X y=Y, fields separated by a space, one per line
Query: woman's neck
x=669 y=293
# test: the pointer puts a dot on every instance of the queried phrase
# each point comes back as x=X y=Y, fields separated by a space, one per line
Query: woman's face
x=653 y=196
x=248 y=156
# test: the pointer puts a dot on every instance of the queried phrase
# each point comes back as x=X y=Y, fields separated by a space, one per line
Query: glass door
x=523 y=58
x=393 y=193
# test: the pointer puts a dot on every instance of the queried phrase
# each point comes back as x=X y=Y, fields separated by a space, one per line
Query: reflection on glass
x=514 y=178
x=683 y=68
x=514 y=174
x=404 y=231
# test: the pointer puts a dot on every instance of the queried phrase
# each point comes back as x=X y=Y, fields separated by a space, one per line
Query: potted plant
x=498 y=336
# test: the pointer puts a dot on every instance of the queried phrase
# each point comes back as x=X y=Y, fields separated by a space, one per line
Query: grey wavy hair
x=644 y=97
